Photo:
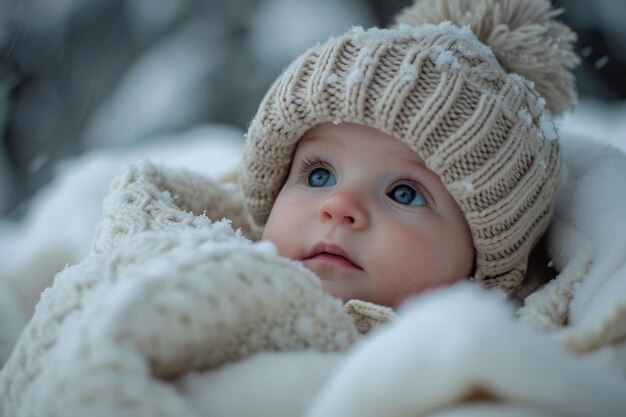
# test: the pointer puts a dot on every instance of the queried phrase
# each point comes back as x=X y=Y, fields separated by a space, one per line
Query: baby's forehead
x=359 y=140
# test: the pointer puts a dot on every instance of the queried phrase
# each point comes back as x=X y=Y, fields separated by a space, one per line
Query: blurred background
x=79 y=75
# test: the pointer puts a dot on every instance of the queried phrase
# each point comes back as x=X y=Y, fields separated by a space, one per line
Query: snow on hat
x=469 y=85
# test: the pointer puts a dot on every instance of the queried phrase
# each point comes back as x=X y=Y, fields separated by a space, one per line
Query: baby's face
x=360 y=209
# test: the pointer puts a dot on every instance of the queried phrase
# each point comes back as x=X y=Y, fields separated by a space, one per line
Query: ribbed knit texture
x=368 y=316
x=487 y=133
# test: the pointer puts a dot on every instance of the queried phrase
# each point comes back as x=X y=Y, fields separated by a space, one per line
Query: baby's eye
x=321 y=177
x=407 y=195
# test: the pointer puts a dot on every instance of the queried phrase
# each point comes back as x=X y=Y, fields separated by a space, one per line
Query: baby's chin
x=343 y=283
x=336 y=290
x=345 y=291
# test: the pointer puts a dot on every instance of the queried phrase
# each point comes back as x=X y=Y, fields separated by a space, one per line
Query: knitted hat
x=469 y=85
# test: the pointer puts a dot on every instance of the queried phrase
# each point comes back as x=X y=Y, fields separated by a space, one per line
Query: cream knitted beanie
x=469 y=85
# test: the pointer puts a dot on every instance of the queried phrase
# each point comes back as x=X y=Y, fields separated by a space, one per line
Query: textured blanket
x=177 y=314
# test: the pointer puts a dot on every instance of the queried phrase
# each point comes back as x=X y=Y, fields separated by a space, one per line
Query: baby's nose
x=344 y=208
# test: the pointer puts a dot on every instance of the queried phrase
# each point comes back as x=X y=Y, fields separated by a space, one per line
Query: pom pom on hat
x=522 y=34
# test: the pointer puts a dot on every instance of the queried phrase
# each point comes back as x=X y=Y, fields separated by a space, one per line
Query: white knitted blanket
x=173 y=314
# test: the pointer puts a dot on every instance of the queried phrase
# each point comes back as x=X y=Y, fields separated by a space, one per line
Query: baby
x=390 y=161
x=371 y=220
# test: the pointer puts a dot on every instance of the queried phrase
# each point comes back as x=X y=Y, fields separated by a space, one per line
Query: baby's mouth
x=333 y=254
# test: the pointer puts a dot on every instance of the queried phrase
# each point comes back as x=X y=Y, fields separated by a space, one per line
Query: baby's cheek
x=273 y=232
x=409 y=264
x=282 y=246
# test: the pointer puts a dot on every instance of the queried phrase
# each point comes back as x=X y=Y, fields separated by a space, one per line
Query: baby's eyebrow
x=421 y=166
x=416 y=162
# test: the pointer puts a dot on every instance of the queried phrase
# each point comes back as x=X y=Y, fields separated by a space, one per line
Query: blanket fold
x=176 y=314
x=159 y=297
x=476 y=352
x=585 y=307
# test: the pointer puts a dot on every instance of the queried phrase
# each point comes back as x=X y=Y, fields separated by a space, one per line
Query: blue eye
x=321 y=177
x=407 y=195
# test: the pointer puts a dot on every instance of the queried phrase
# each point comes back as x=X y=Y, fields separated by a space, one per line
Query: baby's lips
x=331 y=251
